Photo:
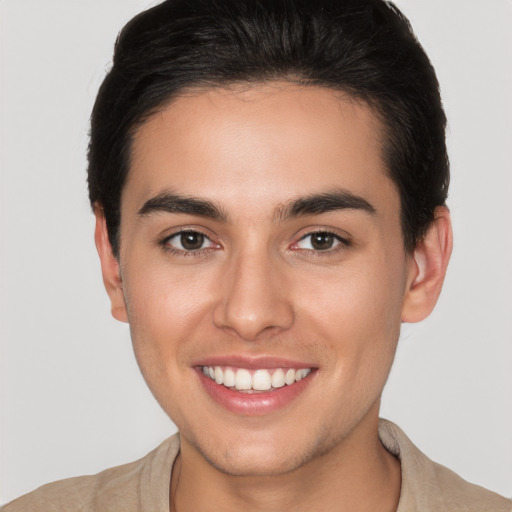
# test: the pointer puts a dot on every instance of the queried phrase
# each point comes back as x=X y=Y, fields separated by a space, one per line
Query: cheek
x=356 y=313
x=360 y=302
x=165 y=300
x=165 y=309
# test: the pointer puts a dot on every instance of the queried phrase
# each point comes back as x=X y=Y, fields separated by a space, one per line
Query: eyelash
x=182 y=252
x=343 y=243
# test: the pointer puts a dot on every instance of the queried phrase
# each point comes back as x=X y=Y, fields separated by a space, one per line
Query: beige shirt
x=143 y=485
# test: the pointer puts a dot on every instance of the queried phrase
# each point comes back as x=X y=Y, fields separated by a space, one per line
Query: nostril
x=252 y=322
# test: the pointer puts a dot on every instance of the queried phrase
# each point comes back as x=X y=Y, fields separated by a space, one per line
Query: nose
x=253 y=298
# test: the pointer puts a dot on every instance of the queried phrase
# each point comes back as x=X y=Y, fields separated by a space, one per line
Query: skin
x=259 y=288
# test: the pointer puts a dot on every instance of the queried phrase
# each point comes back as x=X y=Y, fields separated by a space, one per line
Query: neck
x=357 y=475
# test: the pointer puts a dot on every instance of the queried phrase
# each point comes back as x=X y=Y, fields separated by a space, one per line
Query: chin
x=256 y=462
x=262 y=454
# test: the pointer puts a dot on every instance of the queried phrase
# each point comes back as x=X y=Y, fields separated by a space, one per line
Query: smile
x=254 y=387
x=250 y=381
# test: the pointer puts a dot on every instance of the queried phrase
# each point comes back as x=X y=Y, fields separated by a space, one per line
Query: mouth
x=254 y=387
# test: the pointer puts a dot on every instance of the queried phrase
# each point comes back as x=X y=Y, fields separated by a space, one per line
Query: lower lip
x=253 y=404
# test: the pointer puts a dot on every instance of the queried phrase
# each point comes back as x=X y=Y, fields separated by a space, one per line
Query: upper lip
x=252 y=362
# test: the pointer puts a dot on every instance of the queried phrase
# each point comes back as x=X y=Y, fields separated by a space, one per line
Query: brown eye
x=320 y=241
x=191 y=241
x=188 y=241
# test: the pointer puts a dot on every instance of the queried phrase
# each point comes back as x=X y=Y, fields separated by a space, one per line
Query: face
x=263 y=271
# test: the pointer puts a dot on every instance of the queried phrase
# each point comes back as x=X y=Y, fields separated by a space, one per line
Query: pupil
x=322 y=241
x=192 y=241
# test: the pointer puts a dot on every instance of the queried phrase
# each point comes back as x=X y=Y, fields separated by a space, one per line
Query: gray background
x=72 y=398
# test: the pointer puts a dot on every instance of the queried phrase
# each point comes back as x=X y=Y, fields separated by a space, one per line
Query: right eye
x=188 y=241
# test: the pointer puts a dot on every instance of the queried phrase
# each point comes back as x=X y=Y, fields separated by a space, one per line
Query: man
x=269 y=183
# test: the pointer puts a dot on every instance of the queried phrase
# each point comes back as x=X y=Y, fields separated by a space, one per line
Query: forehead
x=258 y=146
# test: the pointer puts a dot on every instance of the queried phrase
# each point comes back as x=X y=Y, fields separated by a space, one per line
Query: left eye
x=189 y=241
x=319 y=241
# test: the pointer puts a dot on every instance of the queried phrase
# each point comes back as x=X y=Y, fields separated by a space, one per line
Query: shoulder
x=130 y=487
x=428 y=486
x=455 y=491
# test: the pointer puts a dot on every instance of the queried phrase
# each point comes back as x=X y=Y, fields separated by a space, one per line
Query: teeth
x=261 y=380
x=219 y=375
x=278 y=379
x=300 y=374
x=243 y=380
x=290 y=376
x=257 y=380
x=229 y=378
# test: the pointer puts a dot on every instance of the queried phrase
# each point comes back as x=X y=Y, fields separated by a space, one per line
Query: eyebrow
x=315 y=204
x=174 y=203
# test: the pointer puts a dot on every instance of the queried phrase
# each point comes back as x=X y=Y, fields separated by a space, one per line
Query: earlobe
x=428 y=268
x=109 y=267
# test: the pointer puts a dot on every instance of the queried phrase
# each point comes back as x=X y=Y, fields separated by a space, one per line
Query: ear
x=109 y=267
x=428 y=268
